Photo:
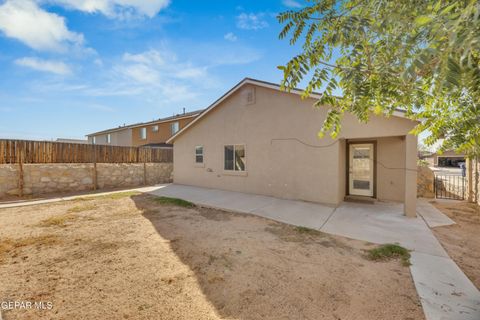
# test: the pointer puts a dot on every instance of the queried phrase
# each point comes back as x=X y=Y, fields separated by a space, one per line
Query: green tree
x=418 y=55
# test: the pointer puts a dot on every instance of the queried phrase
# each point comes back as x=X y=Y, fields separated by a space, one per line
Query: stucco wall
x=121 y=137
x=52 y=178
x=391 y=168
x=284 y=156
x=160 y=136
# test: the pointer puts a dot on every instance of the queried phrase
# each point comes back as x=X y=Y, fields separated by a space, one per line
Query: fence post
x=144 y=168
x=144 y=173
x=94 y=167
x=20 y=174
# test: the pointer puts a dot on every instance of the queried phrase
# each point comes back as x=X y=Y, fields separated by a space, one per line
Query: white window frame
x=142 y=132
x=109 y=138
x=202 y=154
x=155 y=128
x=234 y=145
x=94 y=140
x=172 y=130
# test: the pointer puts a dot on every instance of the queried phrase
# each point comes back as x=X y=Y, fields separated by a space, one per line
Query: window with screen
x=199 y=154
x=174 y=127
x=143 y=133
x=234 y=158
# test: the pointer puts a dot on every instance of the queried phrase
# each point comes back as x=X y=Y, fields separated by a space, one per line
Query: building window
x=143 y=133
x=109 y=138
x=199 y=154
x=155 y=128
x=235 y=158
x=94 y=140
x=174 y=127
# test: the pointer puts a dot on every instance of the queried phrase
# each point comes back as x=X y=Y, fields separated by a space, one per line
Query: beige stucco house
x=153 y=133
x=449 y=158
x=258 y=139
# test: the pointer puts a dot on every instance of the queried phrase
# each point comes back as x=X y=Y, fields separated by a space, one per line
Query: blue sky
x=71 y=67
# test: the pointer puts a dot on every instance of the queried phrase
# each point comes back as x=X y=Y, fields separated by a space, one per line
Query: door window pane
x=360 y=184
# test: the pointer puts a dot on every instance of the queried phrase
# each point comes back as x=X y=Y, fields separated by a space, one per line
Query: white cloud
x=39 y=29
x=291 y=4
x=140 y=73
x=53 y=66
x=98 y=62
x=123 y=9
x=230 y=37
x=152 y=65
x=251 y=21
x=161 y=72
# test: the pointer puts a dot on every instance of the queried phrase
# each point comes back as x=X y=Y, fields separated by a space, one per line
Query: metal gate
x=449 y=186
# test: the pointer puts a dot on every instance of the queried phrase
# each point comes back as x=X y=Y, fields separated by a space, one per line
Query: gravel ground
x=128 y=257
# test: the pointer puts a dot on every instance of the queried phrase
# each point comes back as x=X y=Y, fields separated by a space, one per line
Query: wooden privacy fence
x=25 y=151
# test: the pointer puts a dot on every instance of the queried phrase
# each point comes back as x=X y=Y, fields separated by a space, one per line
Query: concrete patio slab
x=432 y=216
x=383 y=223
x=444 y=290
x=299 y=213
x=214 y=198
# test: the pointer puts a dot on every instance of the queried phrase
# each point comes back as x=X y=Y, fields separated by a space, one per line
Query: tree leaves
x=423 y=20
x=421 y=56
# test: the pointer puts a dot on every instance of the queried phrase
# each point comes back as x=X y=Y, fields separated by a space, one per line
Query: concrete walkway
x=24 y=203
x=432 y=216
x=444 y=290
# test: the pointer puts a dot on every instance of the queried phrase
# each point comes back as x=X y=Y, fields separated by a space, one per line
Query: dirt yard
x=130 y=257
x=462 y=240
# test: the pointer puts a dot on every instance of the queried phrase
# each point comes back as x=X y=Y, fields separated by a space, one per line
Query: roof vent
x=249 y=95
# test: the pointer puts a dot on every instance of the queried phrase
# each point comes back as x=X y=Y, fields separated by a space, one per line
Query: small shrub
x=77 y=209
x=120 y=195
x=8 y=245
x=390 y=251
x=305 y=230
x=174 y=202
x=422 y=163
x=112 y=196
x=57 y=221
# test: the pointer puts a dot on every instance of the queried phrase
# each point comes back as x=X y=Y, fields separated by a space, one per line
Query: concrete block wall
x=425 y=180
x=71 y=177
x=8 y=179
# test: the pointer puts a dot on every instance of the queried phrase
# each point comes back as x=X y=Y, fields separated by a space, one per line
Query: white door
x=361 y=169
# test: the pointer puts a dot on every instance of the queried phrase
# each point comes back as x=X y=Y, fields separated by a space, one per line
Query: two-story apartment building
x=153 y=133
